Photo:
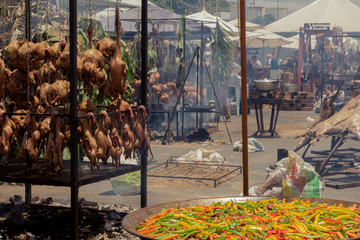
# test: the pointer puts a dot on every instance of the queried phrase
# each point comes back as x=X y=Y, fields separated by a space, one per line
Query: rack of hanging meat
x=46 y=137
x=34 y=112
x=341 y=126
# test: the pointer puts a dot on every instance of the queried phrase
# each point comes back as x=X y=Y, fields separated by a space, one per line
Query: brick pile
x=297 y=101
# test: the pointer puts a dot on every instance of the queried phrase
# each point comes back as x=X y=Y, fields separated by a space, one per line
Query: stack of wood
x=297 y=101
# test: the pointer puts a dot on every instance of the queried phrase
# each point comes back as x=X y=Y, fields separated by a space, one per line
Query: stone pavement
x=290 y=124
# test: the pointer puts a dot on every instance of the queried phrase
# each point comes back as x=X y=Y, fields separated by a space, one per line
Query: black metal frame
x=172 y=160
x=198 y=53
x=71 y=178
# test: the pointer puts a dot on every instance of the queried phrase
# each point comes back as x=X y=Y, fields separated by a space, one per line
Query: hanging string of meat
x=117 y=65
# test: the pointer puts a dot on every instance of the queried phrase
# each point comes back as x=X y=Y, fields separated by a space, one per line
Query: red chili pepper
x=334 y=221
x=201 y=213
x=313 y=209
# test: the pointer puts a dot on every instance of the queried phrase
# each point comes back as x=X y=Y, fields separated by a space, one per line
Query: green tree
x=222 y=56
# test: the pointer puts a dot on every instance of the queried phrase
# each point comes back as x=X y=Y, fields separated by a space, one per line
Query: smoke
x=291 y=5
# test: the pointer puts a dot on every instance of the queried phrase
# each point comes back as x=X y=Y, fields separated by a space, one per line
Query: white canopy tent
x=122 y=3
x=265 y=38
x=295 y=42
x=340 y=13
x=210 y=21
x=249 y=25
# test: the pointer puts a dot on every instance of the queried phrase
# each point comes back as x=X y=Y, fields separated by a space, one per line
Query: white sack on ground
x=201 y=156
x=253 y=145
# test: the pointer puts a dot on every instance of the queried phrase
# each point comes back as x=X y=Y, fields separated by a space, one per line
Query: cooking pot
x=266 y=84
x=132 y=220
x=289 y=87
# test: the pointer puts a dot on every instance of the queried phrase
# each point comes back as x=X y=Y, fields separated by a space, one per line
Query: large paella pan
x=132 y=220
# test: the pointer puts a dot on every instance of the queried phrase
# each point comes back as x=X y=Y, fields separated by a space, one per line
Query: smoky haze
x=291 y=5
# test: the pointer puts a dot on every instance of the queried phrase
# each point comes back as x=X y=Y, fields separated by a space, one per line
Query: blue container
x=248 y=101
x=248 y=106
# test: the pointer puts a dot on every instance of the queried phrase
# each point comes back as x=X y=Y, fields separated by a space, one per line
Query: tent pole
x=245 y=154
x=300 y=52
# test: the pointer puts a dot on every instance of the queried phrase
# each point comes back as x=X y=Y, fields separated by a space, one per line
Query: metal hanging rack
x=71 y=177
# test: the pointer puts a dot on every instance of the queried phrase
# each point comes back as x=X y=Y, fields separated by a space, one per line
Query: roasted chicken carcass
x=127 y=133
x=7 y=127
x=164 y=98
x=88 y=140
x=47 y=73
x=44 y=93
x=17 y=82
x=41 y=51
x=29 y=148
x=157 y=88
x=27 y=60
x=115 y=128
x=60 y=90
x=19 y=121
x=117 y=65
x=3 y=76
x=87 y=131
x=142 y=141
x=102 y=137
x=106 y=46
x=55 y=143
x=12 y=52
x=93 y=64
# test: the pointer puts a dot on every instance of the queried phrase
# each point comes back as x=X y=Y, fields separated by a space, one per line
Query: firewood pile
x=42 y=219
x=34 y=113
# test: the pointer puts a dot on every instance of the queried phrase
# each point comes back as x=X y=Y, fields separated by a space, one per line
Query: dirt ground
x=191 y=176
x=161 y=190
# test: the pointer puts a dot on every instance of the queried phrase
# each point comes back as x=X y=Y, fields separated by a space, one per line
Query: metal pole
x=245 y=153
x=28 y=37
x=197 y=87
x=181 y=92
x=144 y=49
x=73 y=120
x=202 y=73
x=28 y=20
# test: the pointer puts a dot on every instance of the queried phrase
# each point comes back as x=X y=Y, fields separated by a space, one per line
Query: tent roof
x=249 y=25
x=266 y=38
x=122 y=3
x=210 y=20
x=134 y=14
x=295 y=42
x=341 y=13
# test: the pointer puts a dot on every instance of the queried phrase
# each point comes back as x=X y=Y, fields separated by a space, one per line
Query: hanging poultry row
x=118 y=130
x=34 y=118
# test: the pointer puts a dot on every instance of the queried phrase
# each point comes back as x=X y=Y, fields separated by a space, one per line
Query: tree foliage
x=192 y=6
x=221 y=56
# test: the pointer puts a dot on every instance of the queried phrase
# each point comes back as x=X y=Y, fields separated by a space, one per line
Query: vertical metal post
x=144 y=50
x=202 y=73
x=73 y=120
x=28 y=37
x=28 y=20
x=183 y=97
x=245 y=153
x=197 y=86
x=27 y=193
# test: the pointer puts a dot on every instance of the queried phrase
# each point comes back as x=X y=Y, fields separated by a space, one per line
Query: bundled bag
x=292 y=177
